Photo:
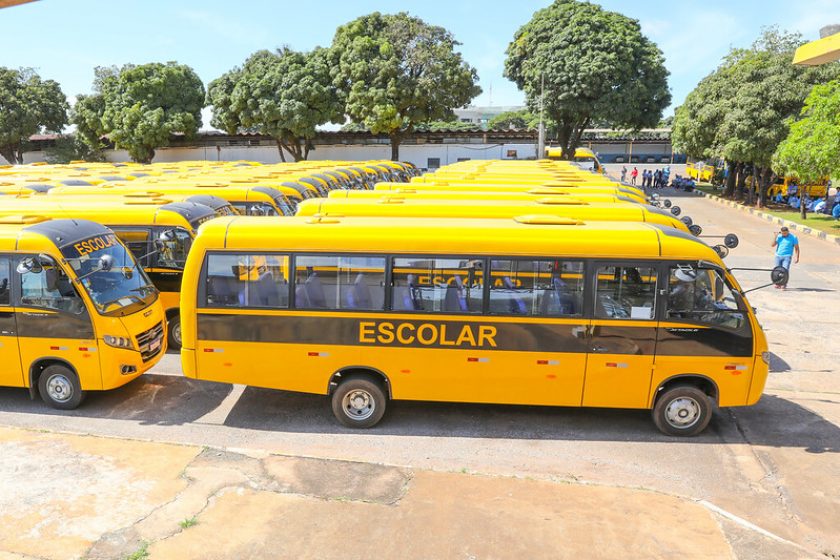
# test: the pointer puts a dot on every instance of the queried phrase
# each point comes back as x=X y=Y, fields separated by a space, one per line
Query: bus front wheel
x=682 y=411
x=60 y=388
x=358 y=403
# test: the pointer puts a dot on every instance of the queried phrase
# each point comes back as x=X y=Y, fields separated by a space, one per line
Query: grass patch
x=821 y=222
x=141 y=553
x=707 y=188
x=189 y=522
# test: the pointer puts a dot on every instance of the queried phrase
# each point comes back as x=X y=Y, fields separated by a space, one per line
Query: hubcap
x=358 y=404
x=683 y=412
x=59 y=388
x=176 y=333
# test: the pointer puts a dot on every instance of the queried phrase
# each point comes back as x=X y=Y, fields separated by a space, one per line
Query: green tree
x=145 y=105
x=71 y=147
x=396 y=71
x=28 y=105
x=87 y=115
x=521 y=119
x=593 y=66
x=284 y=94
x=811 y=150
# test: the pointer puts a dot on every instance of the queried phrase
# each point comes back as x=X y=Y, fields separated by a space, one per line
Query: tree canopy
x=812 y=149
x=396 y=71
x=28 y=105
x=742 y=111
x=594 y=65
x=284 y=94
x=142 y=106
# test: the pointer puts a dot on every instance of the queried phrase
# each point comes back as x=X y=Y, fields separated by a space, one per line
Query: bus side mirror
x=29 y=264
x=676 y=210
x=779 y=275
x=721 y=250
x=667 y=203
x=695 y=230
x=167 y=235
x=687 y=220
x=731 y=240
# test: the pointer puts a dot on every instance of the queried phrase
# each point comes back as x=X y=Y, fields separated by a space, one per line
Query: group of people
x=819 y=205
x=650 y=178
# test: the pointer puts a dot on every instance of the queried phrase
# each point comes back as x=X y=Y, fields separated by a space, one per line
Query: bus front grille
x=150 y=342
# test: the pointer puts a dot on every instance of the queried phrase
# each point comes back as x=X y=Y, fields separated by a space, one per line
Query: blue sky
x=65 y=39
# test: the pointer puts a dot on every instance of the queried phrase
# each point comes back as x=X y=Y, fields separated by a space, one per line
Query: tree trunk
x=9 y=153
x=280 y=149
x=766 y=181
x=803 y=208
x=730 y=179
x=751 y=189
x=395 y=147
x=741 y=182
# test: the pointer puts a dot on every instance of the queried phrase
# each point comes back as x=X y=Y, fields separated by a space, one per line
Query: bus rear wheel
x=60 y=388
x=175 y=333
x=682 y=411
x=358 y=403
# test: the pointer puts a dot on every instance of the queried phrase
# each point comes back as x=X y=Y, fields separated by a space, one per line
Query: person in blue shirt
x=787 y=248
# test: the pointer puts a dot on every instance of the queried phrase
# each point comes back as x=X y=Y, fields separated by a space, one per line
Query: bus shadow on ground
x=774 y=422
x=150 y=399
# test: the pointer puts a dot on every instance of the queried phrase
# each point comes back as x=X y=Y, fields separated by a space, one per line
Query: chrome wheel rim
x=59 y=388
x=176 y=333
x=358 y=404
x=683 y=412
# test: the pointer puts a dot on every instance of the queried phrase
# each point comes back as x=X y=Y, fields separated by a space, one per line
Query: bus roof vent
x=560 y=201
x=404 y=190
x=392 y=200
x=211 y=185
x=144 y=194
x=324 y=219
x=546 y=190
x=547 y=220
x=147 y=202
x=23 y=219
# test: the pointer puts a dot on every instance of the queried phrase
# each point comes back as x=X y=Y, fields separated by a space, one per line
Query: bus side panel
x=721 y=355
x=44 y=333
x=11 y=374
x=759 y=377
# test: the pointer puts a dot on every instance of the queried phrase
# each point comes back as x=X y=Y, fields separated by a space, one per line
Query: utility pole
x=541 y=133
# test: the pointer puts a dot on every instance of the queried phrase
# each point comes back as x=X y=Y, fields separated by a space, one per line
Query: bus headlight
x=765 y=357
x=118 y=341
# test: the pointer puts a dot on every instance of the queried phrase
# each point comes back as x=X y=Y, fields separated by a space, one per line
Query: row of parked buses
x=506 y=282
x=92 y=257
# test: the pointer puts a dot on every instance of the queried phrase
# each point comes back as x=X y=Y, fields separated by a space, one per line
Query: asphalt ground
x=769 y=472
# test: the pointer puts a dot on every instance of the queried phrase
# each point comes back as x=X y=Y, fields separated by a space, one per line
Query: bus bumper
x=760 y=372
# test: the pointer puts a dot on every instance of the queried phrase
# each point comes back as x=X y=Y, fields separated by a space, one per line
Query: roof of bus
x=524 y=235
x=112 y=212
x=16 y=230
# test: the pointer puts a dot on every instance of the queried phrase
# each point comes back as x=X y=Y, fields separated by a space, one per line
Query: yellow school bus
x=615 y=191
x=529 y=311
x=432 y=208
x=159 y=236
x=583 y=156
x=247 y=200
x=76 y=312
x=466 y=195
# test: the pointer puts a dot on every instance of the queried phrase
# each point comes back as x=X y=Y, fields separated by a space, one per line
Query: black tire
x=359 y=403
x=682 y=411
x=59 y=387
x=174 y=333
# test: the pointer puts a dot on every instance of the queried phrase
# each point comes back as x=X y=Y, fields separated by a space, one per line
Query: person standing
x=623 y=174
x=634 y=175
x=787 y=248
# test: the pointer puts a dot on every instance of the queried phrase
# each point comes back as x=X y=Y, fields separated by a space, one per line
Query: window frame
x=17 y=291
x=592 y=273
x=584 y=268
x=10 y=274
x=293 y=281
x=201 y=293
x=485 y=295
x=663 y=307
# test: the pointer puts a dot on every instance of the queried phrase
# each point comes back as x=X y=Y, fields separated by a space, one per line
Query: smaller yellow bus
x=159 y=235
x=527 y=311
x=77 y=313
x=584 y=156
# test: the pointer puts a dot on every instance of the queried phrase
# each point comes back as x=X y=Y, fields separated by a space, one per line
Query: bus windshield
x=109 y=274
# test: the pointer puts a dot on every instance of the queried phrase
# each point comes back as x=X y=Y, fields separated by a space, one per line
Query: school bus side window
x=247 y=280
x=137 y=241
x=543 y=288
x=339 y=282
x=50 y=288
x=438 y=285
x=701 y=295
x=5 y=281
x=625 y=292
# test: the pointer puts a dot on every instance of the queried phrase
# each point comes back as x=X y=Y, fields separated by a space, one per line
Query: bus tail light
x=765 y=357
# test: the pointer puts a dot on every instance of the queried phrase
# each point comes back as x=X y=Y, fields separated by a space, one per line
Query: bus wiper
x=116 y=300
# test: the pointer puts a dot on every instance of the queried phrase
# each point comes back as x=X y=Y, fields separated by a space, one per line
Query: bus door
x=11 y=373
x=622 y=338
x=705 y=330
x=53 y=320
